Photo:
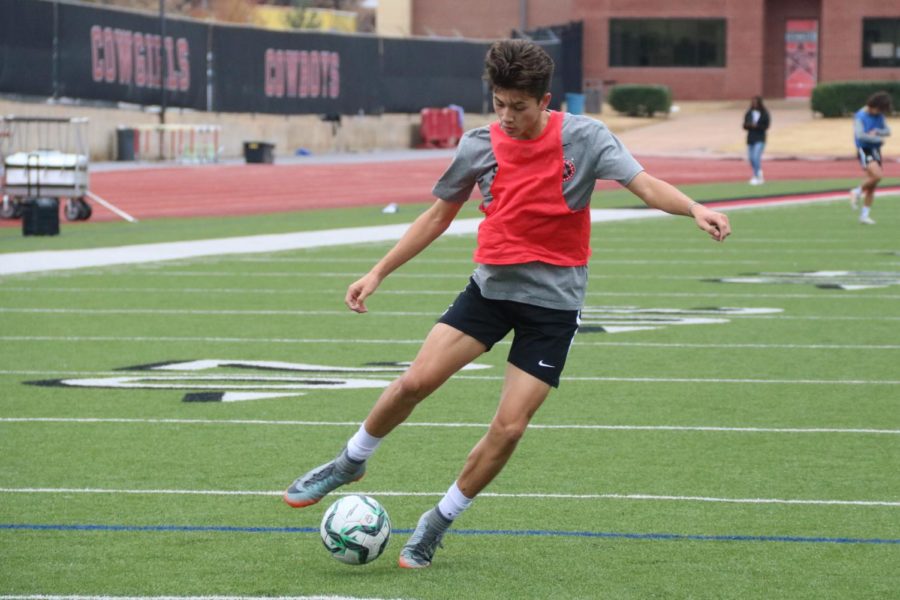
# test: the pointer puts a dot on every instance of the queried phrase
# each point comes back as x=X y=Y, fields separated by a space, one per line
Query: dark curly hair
x=519 y=65
x=881 y=101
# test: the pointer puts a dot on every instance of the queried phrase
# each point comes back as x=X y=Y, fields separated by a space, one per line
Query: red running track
x=228 y=190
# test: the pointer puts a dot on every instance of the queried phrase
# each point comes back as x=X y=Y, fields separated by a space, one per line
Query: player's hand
x=359 y=290
x=712 y=222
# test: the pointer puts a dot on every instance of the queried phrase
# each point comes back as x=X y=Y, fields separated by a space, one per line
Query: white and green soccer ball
x=356 y=529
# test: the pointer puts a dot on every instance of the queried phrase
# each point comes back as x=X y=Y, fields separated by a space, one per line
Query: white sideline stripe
x=578 y=341
x=701 y=428
x=385 y=313
x=46 y=597
x=52 y=260
x=537 y=496
x=565 y=378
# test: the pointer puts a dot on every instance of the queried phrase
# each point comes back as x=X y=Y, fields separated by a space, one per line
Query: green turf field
x=696 y=448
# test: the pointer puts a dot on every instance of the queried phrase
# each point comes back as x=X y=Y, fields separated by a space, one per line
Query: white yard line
x=579 y=340
x=709 y=380
x=532 y=495
x=330 y=292
x=532 y=426
x=383 y=313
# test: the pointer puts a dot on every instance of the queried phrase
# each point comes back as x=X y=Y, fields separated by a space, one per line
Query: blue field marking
x=681 y=536
x=515 y=532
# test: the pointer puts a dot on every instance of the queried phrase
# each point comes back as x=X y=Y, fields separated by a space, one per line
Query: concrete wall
x=288 y=133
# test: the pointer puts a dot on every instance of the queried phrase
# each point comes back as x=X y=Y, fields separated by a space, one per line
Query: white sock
x=362 y=445
x=865 y=212
x=857 y=190
x=453 y=503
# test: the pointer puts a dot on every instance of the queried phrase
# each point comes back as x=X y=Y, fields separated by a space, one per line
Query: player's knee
x=508 y=433
x=413 y=387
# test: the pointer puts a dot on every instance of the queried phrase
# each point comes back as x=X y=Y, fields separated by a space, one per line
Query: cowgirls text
x=135 y=58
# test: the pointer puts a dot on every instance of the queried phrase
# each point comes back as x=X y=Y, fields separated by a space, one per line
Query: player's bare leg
x=522 y=395
x=445 y=351
x=873 y=178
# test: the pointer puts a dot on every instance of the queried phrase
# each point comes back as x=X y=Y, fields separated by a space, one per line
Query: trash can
x=40 y=216
x=259 y=152
x=575 y=103
x=125 y=143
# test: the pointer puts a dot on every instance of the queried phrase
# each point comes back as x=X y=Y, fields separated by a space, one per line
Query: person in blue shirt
x=869 y=130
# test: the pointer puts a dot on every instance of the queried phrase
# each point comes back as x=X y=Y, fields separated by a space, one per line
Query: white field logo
x=621 y=319
x=281 y=379
x=831 y=280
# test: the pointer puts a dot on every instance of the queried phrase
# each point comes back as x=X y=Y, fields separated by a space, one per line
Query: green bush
x=841 y=98
x=640 y=100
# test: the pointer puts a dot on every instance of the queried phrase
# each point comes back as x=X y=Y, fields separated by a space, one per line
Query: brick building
x=702 y=49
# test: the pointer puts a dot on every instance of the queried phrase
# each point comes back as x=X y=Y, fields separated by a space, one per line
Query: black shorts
x=867 y=155
x=542 y=336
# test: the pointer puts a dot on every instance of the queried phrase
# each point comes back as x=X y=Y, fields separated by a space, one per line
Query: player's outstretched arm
x=661 y=195
x=424 y=230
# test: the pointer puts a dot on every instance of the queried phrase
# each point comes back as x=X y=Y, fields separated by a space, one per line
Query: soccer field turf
x=710 y=439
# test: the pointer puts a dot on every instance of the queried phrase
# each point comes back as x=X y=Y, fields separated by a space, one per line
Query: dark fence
x=27 y=47
x=280 y=72
x=570 y=38
x=58 y=49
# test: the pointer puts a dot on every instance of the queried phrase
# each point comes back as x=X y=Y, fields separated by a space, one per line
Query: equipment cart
x=44 y=157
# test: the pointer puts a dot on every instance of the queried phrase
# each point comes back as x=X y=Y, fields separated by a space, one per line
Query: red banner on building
x=801 y=52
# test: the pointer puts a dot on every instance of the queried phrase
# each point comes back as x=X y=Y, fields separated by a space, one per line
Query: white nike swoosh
x=543 y=364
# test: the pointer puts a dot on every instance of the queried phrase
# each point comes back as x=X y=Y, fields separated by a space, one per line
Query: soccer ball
x=356 y=529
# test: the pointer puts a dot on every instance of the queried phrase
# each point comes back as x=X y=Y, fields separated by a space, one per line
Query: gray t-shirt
x=591 y=152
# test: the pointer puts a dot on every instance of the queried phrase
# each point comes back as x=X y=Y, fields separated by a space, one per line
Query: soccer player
x=536 y=170
x=869 y=131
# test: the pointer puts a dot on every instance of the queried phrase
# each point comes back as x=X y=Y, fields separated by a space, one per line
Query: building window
x=667 y=42
x=881 y=42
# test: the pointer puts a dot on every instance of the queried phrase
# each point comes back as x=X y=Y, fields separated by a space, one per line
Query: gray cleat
x=420 y=549
x=315 y=485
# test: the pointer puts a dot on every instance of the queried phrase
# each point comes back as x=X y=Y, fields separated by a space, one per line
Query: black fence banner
x=121 y=57
x=420 y=73
x=569 y=37
x=61 y=49
x=291 y=73
x=26 y=47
